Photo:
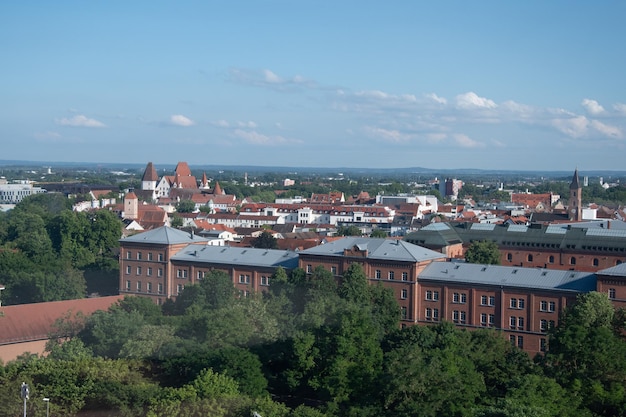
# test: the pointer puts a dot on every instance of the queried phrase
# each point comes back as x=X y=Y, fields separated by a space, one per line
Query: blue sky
x=446 y=84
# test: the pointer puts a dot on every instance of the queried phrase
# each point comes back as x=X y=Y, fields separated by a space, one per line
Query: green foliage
x=185 y=206
x=484 y=252
x=349 y=231
x=265 y=241
x=378 y=233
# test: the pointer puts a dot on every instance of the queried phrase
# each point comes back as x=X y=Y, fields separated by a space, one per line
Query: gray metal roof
x=228 y=255
x=384 y=249
x=617 y=270
x=505 y=276
x=164 y=236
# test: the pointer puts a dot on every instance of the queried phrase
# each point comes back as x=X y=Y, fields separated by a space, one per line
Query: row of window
x=516 y=323
x=129 y=255
x=572 y=259
x=391 y=275
x=487 y=319
x=149 y=271
x=139 y=287
x=459 y=316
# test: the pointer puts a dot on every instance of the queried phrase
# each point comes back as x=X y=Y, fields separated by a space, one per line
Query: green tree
x=485 y=252
x=265 y=241
x=378 y=233
x=185 y=206
x=349 y=231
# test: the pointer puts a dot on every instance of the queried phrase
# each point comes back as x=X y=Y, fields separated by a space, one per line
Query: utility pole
x=47 y=401
x=25 y=394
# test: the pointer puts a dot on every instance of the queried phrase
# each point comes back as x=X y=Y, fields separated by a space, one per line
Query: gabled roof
x=506 y=276
x=239 y=256
x=164 y=236
x=383 y=249
x=182 y=169
x=615 y=271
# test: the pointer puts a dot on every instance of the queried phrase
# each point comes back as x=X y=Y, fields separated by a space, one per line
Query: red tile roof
x=30 y=322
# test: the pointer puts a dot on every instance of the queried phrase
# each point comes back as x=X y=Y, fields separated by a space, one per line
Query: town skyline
x=524 y=87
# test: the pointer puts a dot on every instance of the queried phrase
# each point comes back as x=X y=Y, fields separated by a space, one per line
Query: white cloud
x=180 y=120
x=79 y=121
x=256 y=138
x=271 y=78
x=520 y=110
x=465 y=141
x=471 y=100
x=388 y=135
x=381 y=95
x=574 y=127
x=248 y=124
x=592 y=107
x=47 y=135
x=220 y=123
x=620 y=108
x=607 y=130
x=434 y=97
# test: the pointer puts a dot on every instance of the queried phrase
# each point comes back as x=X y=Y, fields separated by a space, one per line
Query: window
x=552 y=306
x=405 y=276
x=543 y=325
x=377 y=274
x=333 y=270
x=128 y=285
x=512 y=339
x=404 y=313
x=530 y=258
x=551 y=259
x=265 y=280
x=429 y=313
x=572 y=260
x=435 y=314
x=483 y=319
x=128 y=270
x=160 y=272
x=492 y=320
x=492 y=300
x=436 y=295
x=138 y=270
x=543 y=306
x=160 y=257
x=391 y=275
x=513 y=303
x=149 y=287
x=309 y=269
x=138 y=286
x=463 y=316
x=455 y=316
x=181 y=273
x=160 y=288
x=244 y=279
x=483 y=300
x=520 y=342
x=200 y=275
x=596 y=262
x=463 y=298
x=149 y=256
x=179 y=288
x=139 y=256
x=456 y=297
x=149 y=271
x=509 y=257
x=612 y=293
x=543 y=344
x=404 y=293
x=520 y=303
x=128 y=255
x=512 y=322
x=520 y=323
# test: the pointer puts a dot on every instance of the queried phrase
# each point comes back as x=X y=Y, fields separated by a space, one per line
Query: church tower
x=150 y=178
x=575 y=199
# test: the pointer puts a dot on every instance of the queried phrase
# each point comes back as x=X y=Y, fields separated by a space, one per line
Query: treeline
x=49 y=252
x=312 y=348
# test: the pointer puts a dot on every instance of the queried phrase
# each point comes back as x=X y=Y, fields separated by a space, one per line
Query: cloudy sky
x=441 y=84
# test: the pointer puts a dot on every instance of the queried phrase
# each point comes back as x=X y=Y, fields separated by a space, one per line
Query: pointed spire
x=205 y=181
x=218 y=189
x=575 y=184
x=150 y=174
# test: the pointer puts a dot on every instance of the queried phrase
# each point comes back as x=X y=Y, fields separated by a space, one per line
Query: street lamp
x=47 y=401
x=25 y=394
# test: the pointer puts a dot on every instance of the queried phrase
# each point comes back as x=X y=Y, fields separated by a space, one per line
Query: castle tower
x=131 y=206
x=575 y=199
x=150 y=178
